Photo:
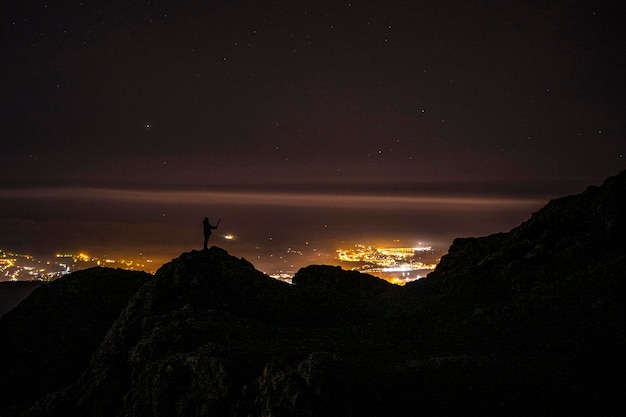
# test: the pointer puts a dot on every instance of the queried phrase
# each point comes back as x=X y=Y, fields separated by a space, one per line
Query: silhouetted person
x=207 y=230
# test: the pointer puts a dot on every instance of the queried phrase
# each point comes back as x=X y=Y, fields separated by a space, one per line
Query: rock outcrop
x=210 y=335
x=574 y=245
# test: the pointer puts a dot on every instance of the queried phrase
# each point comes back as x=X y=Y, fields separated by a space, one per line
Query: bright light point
x=147 y=125
x=229 y=237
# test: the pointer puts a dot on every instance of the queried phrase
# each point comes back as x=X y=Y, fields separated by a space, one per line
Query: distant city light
x=385 y=261
x=22 y=267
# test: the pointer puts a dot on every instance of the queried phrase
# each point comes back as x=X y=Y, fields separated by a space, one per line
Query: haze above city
x=305 y=127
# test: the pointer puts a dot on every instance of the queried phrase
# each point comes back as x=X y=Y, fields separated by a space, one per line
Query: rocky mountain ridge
x=528 y=322
x=578 y=236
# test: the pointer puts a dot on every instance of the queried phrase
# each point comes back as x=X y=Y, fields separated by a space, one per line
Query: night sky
x=303 y=125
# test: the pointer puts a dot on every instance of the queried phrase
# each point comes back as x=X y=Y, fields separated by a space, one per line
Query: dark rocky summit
x=529 y=322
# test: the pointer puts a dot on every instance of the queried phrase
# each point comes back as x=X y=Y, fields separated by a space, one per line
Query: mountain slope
x=210 y=334
x=47 y=340
x=575 y=244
